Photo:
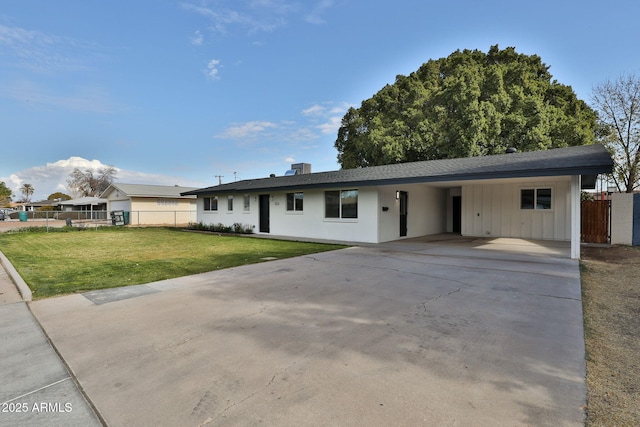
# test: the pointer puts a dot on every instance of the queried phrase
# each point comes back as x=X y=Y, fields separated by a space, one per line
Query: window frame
x=336 y=209
x=230 y=203
x=534 y=197
x=247 y=203
x=213 y=207
x=295 y=202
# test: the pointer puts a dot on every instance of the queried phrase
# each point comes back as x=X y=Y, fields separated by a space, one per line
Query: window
x=341 y=204
x=167 y=202
x=247 y=203
x=210 y=203
x=229 y=203
x=535 y=198
x=294 y=201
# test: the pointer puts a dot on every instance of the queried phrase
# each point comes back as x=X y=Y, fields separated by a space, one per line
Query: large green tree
x=5 y=194
x=468 y=104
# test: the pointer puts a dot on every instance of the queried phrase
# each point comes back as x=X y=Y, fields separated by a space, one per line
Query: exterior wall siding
x=309 y=223
x=151 y=211
x=493 y=210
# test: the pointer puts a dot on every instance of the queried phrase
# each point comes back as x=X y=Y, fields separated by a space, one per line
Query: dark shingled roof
x=582 y=160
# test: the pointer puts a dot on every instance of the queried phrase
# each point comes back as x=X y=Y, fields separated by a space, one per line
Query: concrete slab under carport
x=393 y=334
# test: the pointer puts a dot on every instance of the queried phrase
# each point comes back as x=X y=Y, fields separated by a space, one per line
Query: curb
x=24 y=290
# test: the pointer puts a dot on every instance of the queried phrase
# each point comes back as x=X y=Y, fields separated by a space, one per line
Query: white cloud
x=314 y=110
x=197 y=39
x=331 y=126
x=91 y=99
x=252 y=129
x=290 y=159
x=44 y=53
x=257 y=17
x=212 y=69
x=315 y=16
x=330 y=115
x=52 y=177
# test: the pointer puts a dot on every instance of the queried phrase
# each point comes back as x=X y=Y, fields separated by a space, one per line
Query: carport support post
x=575 y=216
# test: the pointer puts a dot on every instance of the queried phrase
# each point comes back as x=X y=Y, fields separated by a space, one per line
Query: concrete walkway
x=407 y=333
x=36 y=388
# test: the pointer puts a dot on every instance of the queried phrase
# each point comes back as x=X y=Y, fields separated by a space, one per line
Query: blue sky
x=179 y=91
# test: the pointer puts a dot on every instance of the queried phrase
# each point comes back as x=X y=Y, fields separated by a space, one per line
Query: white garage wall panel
x=493 y=210
x=119 y=205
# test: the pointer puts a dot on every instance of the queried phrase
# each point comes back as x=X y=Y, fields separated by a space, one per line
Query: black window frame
x=210 y=204
x=536 y=198
x=335 y=206
x=295 y=202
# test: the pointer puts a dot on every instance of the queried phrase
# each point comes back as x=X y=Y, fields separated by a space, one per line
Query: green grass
x=60 y=263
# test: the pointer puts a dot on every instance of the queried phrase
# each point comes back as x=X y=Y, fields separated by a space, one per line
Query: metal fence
x=133 y=218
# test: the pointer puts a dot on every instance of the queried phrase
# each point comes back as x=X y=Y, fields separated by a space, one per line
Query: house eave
x=402 y=180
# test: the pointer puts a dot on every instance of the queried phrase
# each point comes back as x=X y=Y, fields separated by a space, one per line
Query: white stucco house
x=151 y=204
x=531 y=195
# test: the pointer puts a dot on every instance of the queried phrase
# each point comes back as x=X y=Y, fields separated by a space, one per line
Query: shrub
x=236 y=228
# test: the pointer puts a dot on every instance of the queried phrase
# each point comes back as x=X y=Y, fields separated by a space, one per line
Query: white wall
x=493 y=209
x=426 y=214
x=621 y=218
x=309 y=223
x=119 y=205
x=226 y=217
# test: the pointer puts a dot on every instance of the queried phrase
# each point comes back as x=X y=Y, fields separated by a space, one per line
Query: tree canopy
x=88 y=184
x=618 y=106
x=59 y=195
x=5 y=194
x=27 y=191
x=468 y=104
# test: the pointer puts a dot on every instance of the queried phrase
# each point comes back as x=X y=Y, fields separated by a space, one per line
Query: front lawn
x=58 y=263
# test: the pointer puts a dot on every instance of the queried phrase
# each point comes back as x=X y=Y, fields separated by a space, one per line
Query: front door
x=264 y=213
x=404 y=200
x=457 y=214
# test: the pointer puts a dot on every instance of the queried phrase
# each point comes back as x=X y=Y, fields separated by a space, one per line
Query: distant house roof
x=42 y=203
x=84 y=201
x=143 y=190
x=588 y=160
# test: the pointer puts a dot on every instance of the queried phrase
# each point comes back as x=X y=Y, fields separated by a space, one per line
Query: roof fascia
x=592 y=170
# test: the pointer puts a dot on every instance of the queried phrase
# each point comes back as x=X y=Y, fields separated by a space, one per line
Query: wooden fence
x=594 y=227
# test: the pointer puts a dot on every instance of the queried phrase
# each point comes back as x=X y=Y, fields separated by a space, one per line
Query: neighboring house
x=152 y=204
x=46 y=204
x=85 y=204
x=531 y=195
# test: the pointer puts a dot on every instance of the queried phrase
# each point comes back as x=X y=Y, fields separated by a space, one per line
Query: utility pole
x=219 y=179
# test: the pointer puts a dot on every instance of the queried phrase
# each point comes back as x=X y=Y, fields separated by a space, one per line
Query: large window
x=341 y=204
x=535 y=198
x=295 y=201
x=210 y=203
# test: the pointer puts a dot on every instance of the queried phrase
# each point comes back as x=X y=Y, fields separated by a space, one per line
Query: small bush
x=236 y=228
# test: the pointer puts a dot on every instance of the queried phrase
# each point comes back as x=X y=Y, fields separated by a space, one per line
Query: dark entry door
x=404 y=210
x=264 y=213
x=457 y=214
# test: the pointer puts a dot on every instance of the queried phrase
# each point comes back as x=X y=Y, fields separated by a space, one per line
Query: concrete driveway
x=406 y=333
